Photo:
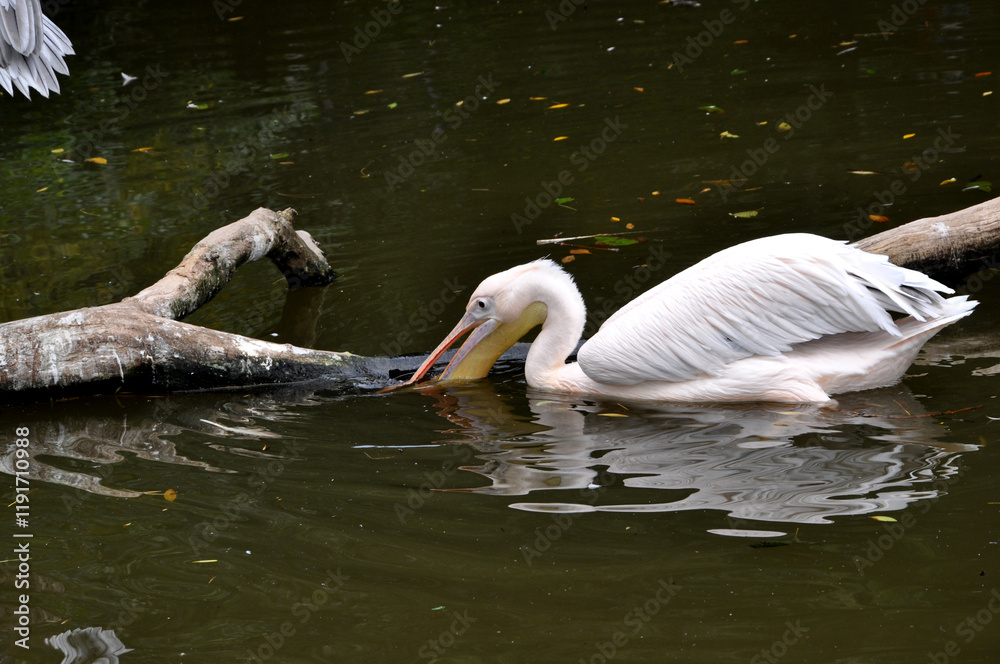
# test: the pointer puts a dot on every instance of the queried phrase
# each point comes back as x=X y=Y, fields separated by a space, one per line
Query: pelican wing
x=757 y=298
x=32 y=49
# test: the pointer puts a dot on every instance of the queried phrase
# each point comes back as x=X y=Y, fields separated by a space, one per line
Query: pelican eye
x=481 y=304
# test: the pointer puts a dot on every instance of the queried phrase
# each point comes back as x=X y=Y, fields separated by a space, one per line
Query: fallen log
x=140 y=344
x=947 y=247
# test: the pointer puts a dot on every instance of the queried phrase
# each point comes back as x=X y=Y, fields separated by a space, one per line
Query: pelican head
x=503 y=308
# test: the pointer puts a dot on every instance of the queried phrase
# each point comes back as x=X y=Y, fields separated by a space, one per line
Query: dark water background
x=490 y=523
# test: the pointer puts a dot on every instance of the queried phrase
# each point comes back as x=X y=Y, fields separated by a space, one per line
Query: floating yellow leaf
x=987 y=93
x=656 y=193
x=905 y=136
x=615 y=219
x=568 y=259
x=560 y=138
x=884 y=518
x=57 y=151
x=612 y=414
x=742 y=41
x=360 y=112
x=416 y=73
x=638 y=89
x=537 y=98
x=558 y=106
x=880 y=218
x=865 y=172
x=199 y=562
x=784 y=126
x=728 y=134
x=142 y=150
x=38 y=191
x=910 y=166
x=503 y=101
x=233 y=19
x=685 y=201
x=745 y=214
x=630 y=226
x=579 y=251
x=372 y=92
x=170 y=495
x=97 y=160
x=948 y=181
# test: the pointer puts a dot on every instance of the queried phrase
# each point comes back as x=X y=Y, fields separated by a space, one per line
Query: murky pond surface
x=491 y=523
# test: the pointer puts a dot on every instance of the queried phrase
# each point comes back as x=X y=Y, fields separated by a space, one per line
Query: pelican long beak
x=484 y=346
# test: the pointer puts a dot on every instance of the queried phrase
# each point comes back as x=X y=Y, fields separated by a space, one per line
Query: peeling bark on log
x=140 y=345
x=946 y=247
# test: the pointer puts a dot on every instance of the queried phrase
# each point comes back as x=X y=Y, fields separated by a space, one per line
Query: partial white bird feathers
x=758 y=298
x=32 y=49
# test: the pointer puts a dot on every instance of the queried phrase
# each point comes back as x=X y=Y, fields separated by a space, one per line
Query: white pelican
x=32 y=48
x=792 y=318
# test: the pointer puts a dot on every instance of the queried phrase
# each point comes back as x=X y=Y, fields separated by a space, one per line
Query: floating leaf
x=880 y=218
x=784 y=126
x=567 y=259
x=57 y=151
x=564 y=200
x=948 y=181
x=372 y=92
x=537 y=98
x=905 y=136
x=611 y=241
x=503 y=101
x=656 y=193
x=612 y=415
x=280 y=155
x=579 y=251
x=360 y=112
x=981 y=185
x=742 y=41
x=560 y=138
x=745 y=214
x=910 y=166
x=684 y=201
x=38 y=191
x=737 y=72
x=393 y=105
x=170 y=495
x=711 y=108
x=142 y=150
x=728 y=134
x=97 y=160
x=888 y=519
x=630 y=226
x=638 y=89
x=416 y=73
x=866 y=172
x=983 y=73
x=201 y=562
x=615 y=220
x=558 y=106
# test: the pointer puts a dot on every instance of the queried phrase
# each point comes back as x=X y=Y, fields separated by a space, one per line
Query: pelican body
x=788 y=318
x=32 y=48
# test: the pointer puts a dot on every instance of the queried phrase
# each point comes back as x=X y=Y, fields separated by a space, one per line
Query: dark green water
x=490 y=523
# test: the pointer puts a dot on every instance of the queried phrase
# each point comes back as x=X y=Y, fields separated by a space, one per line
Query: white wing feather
x=757 y=298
